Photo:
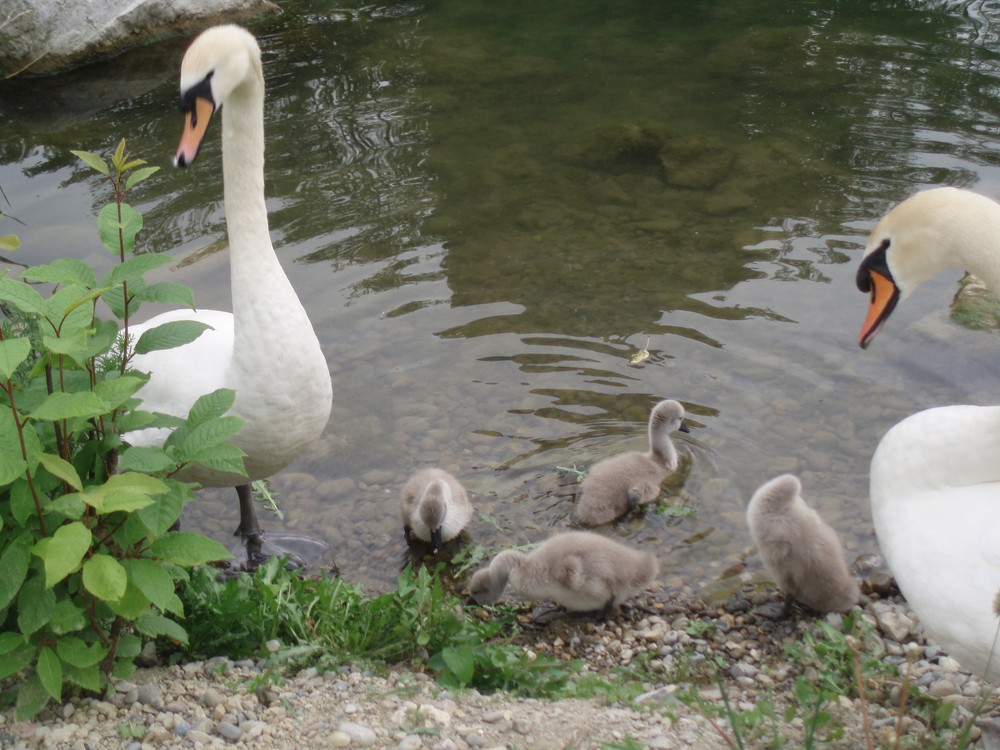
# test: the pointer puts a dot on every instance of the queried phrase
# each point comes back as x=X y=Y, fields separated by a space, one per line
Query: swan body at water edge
x=935 y=476
x=266 y=349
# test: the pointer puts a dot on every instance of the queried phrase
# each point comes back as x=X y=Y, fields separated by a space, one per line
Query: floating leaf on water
x=640 y=355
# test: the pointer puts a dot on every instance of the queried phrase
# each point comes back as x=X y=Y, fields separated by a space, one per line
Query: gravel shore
x=219 y=703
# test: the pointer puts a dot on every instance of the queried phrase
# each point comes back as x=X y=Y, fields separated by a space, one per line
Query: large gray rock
x=39 y=37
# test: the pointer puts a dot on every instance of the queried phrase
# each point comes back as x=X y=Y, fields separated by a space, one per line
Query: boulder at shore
x=40 y=37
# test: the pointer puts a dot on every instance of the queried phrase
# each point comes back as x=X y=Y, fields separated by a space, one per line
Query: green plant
x=88 y=560
x=629 y=743
x=330 y=619
x=129 y=731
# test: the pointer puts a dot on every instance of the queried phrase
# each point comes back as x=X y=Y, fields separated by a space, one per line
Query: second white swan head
x=925 y=234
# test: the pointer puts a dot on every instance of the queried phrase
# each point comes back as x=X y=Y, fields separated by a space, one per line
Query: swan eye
x=876 y=262
x=201 y=90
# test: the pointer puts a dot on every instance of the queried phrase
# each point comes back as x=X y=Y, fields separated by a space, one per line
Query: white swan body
x=266 y=349
x=617 y=484
x=434 y=507
x=935 y=476
x=935 y=493
x=580 y=570
x=801 y=552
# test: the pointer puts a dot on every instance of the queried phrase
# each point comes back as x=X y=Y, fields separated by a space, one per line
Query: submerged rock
x=974 y=305
x=40 y=37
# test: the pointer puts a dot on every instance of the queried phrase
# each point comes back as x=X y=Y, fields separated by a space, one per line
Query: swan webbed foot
x=545 y=613
x=297 y=550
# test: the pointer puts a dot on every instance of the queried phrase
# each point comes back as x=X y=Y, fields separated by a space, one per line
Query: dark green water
x=490 y=208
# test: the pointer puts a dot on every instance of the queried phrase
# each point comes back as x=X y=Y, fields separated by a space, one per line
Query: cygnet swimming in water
x=434 y=507
x=800 y=551
x=579 y=570
x=622 y=483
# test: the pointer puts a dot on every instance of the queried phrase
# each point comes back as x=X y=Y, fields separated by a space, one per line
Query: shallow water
x=489 y=208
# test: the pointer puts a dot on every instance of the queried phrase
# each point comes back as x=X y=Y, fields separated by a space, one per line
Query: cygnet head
x=433 y=508
x=487 y=585
x=219 y=60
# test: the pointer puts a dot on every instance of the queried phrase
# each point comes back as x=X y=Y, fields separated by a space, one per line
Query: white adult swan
x=935 y=476
x=266 y=349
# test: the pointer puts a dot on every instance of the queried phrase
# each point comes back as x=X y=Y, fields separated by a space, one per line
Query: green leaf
x=70 y=506
x=126 y=501
x=34 y=605
x=9 y=243
x=71 y=309
x=92 y=160
x=161 y=515
x=153 y=625
x=22 y=296
x=186 y=548
x=210 y=406
x=14 y=568
x=141 y=458
x=50 y=673
x=167 y=292
x=123 y=489
x=223 y=457
x=73 y=344
x=131 y=481
x=152 y=580
x=104 y=577
x=170 y=335
x=12 y=353
x=115 y=299
x=210 y=434
x=63 y=552
x=22 y=502
x=117 y=391
x=129 y=647
x=132 y=603
x=136 y=266
x=61 y=468
x=60 y=405
x=63 y=271
x=10 y=640
x=109 y=227
x=139 y=175
x=17 y=659
x=78 y=653
x=89 y=678
x=67 y=617
x=461 y=662
x=11 y=467
x=31 y=698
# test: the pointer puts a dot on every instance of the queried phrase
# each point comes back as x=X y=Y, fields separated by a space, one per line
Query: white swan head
x=925 y=234
x=218 y=61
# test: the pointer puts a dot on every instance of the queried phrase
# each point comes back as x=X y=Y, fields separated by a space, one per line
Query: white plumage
x=266 y=349
x=935 y=476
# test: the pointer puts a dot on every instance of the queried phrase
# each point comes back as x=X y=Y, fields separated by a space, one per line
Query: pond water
x=489 y=209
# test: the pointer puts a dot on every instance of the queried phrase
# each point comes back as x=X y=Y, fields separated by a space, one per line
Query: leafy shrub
x=88 y=560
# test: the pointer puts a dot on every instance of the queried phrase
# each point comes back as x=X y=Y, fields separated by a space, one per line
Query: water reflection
x=489 y=209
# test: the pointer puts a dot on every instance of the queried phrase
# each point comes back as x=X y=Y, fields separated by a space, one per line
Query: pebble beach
x=224 y=703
